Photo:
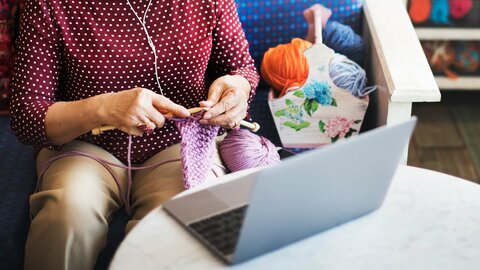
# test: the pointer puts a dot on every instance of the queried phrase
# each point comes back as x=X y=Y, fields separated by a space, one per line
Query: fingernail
x=207 y=103
x=146 y=129
x=207 y=116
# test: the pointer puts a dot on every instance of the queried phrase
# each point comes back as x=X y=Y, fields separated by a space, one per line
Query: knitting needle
x=99 y=130
x=254 y=127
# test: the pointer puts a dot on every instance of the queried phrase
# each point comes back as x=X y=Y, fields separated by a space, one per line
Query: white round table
x=429 y=220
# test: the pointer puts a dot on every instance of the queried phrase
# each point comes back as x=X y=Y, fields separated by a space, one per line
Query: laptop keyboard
x=223 y=230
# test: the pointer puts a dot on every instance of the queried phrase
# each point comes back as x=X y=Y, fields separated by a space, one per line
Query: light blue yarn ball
x=348 y=75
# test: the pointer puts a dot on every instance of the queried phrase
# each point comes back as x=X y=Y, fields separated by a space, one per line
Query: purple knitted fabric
x=197 y=150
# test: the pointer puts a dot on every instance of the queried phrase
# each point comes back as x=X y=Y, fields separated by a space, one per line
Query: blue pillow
x=272 y=22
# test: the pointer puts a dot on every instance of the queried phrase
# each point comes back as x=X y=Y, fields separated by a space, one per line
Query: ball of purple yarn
x=241 y=149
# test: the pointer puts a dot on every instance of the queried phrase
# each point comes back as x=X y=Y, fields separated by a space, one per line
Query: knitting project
x=197 y=149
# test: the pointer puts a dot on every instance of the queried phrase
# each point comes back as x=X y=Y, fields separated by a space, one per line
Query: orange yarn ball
x=285 y=66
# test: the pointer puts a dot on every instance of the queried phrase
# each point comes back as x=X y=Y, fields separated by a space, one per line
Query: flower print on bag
x=338 y=127
x=295 y=115
x=316 y=93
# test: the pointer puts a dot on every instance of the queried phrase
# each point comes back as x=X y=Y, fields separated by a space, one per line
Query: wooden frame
x=397 y=63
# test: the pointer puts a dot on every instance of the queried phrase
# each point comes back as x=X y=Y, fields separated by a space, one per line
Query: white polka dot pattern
x=74 y=49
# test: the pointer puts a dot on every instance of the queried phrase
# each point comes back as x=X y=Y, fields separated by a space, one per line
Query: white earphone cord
x=150 y=41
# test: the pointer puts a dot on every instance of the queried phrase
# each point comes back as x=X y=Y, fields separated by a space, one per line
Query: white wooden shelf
x=443 y=33
x=461 y=83
x=438 y=33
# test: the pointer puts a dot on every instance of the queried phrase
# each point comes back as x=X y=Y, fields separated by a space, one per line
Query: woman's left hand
x=227 y=101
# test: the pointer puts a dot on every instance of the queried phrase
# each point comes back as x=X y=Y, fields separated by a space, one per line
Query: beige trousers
x=78 y=196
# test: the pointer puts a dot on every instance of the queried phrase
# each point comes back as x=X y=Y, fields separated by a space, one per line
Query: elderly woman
x=125 y=63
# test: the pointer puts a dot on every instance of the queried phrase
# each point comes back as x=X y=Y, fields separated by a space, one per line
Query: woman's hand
x=129 y=109
x=227 y=101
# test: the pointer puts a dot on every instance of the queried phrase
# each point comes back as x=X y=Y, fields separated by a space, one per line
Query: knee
x=71 y=213
x=70 y=227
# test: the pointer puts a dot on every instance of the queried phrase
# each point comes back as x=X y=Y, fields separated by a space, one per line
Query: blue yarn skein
x=348 y=75
x=343 y=40
x=440 y=11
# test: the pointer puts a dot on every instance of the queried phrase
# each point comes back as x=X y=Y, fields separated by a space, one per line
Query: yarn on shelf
x=419 y=10
x=440 y=12
x=441 y=56
x=460 y=8
x=466 y=57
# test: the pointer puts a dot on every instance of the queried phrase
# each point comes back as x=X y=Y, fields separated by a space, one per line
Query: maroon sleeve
x=230 y=53
x=36 y=73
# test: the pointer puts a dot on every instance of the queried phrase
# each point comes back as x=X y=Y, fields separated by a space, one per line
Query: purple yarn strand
x=241 y=149
x=106 y=164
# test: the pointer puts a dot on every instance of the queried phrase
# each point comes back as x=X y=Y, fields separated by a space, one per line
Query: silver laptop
x=269 y=208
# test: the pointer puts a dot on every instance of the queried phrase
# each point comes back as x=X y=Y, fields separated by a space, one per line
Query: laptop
x=269 y=208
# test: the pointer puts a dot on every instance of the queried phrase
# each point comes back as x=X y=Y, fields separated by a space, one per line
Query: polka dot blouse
x=74 y=49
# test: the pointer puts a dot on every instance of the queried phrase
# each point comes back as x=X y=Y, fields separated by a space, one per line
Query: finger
x=147 y=126
x=206 y=104
x=140 y=123
x=162 y=111
x=156 y=117
x=145 y=120
x=134 y=131
x=215 y=92
x=214 y=95
x=163 y=103
x=228 y=102
x=229 y=119
x=225 y=121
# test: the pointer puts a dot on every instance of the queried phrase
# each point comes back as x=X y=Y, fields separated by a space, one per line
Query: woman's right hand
x=128 y=109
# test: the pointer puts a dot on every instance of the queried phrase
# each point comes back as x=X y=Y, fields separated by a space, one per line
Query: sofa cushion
x=272 y=22
x=17 y=181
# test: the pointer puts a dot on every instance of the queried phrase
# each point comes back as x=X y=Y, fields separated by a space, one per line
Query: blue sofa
x=267 y=24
